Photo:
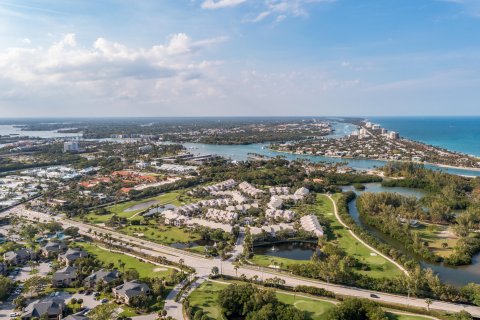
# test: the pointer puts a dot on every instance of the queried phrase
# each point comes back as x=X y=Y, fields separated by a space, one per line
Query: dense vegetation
x=391 y=214
x=246 y=301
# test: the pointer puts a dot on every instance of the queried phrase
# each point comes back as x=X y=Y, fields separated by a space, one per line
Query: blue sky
x=239 y=57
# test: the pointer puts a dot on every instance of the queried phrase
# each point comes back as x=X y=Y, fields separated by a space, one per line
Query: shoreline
x=446 y=166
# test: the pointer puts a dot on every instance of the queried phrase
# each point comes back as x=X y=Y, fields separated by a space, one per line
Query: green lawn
x=205 y=297
x=436 y=235
x=145 y=269
x=121 y=209
x=266 y=261
x=379 y=267
x=314 y=308
x=164 y=235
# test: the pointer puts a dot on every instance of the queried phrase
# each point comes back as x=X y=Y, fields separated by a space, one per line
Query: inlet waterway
x=457 y=276
x=243 y=152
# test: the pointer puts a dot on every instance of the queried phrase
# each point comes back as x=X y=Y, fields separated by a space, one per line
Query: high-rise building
x=70 y=146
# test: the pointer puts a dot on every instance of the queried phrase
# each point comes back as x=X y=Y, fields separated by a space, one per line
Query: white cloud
x=218 y=4
x=279 y=10
x=107 y=69
x=261 y=16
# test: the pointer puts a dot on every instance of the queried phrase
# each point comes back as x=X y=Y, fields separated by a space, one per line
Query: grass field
x=266 y=261
x=436 y=235
x=379 y=267
x=205 y=297
x=144 y=269
x=164 y=235
x=122 y=209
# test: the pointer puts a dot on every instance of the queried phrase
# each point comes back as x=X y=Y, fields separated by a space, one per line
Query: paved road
x=204 y=265
x=174 y=309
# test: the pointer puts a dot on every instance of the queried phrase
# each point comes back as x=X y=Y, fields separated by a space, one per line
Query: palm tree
x=236 y=270
x=181 y=261
x=428 y=301
x=121 y=264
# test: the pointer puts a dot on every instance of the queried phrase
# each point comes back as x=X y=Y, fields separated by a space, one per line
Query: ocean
x=454 y=133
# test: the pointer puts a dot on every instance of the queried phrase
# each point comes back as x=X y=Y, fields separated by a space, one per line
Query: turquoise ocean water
x=454 y=133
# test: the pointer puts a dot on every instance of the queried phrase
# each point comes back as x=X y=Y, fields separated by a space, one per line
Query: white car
x=14 y=315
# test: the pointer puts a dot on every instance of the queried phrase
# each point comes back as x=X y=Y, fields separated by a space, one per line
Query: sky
x=239 y=58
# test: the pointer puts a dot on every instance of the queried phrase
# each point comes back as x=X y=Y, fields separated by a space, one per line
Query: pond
x=457 y=276
x=290 y=250
x=141 y=206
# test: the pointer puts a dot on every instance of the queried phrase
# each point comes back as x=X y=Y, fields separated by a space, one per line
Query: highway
x=203 y=266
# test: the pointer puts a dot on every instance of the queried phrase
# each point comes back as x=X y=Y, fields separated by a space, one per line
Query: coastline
x=446 y=166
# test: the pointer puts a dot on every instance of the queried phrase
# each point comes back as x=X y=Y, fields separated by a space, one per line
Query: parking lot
x=25 y=272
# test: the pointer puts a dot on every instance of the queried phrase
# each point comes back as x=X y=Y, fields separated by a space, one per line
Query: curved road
x=203 y=266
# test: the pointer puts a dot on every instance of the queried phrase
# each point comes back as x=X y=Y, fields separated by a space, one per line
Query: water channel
x=457 y=276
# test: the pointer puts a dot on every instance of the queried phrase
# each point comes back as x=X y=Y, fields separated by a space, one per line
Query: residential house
x=52 y=249
x=130 y=289
x=50 y=308
x=64 y=277
x=71 y=256
x=101 y=276
x=20 y=256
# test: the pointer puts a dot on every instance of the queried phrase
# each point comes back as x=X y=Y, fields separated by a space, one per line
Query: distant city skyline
x=239 y=58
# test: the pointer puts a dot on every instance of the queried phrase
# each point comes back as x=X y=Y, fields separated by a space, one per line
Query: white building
x=250 y=190
x=277 y=215
x=227 y=184
x=392 y=135
x=70 y=146
x=221 y=215
x=310 y=223
x=174 y=219
x=275 y=202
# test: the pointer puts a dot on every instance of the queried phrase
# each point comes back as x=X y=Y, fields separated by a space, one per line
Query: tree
x=103 y=312
x=236 y=270
x=20 y=302
x=35 y=284
x=140 y=301
x=6 y=286
x=428 y=303
x=462 y=315
x=131 y=274
x=356 y=309
x=181 y=262
x=215 y=271
x=121 y=264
